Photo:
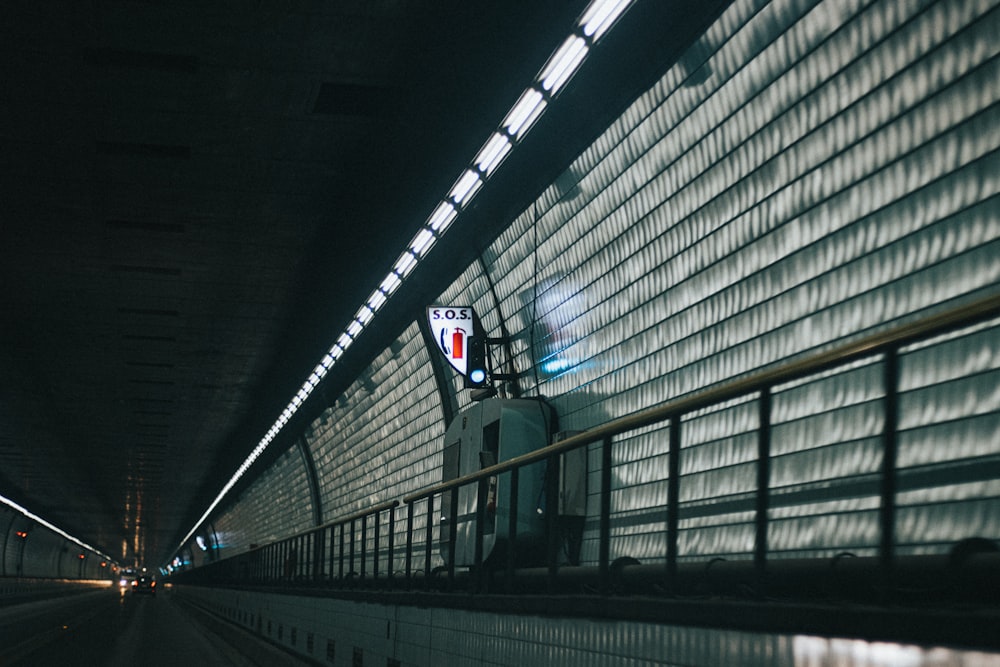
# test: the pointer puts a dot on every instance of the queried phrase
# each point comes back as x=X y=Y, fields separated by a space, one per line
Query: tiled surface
x=418 y=636
x=810 y=172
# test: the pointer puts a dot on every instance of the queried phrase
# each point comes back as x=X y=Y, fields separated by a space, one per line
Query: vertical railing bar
x=316 y=549
x=409 y=543
x=392 y=543
x=604 y=540
x=763 y=500
x=364 y=546
x=375 y=549
x=429 y=541
x=343 y=530
x=333 y=544
x=673 y=500
x=350 y=549
x=887 y=485
x=512 y=528
x=453 y=524
x=301 y=558
x=319 y=539
x=482 y=488
x=551 y=482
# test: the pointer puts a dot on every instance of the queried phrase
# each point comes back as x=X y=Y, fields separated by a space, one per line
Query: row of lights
x=23 y=534
x=593 y=24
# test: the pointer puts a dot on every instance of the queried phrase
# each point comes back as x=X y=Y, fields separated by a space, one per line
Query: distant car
x=144 y=584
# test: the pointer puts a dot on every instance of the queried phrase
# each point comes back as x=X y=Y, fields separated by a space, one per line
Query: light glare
x=390 y=283
x=564 y=64
x=422 y=242
x=467 y=186
x=442 y=217
x=601 y=15
x=524 y=113
x=405 y=264
x=365 y=315
x=493 y=153
x=376 y=300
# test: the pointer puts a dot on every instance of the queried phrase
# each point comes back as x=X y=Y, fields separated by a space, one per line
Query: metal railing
x=337 y=553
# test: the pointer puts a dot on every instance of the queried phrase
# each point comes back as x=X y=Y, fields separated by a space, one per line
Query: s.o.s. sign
x=451 y=327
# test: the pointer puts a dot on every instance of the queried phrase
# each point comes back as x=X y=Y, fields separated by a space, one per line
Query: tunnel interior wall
x=29 y=550
x=339 y=632
x=808 y=173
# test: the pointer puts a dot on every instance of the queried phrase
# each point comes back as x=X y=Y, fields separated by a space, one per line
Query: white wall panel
x=808 y=173
x=275 y=505
x=835 y=173
x=364 y=633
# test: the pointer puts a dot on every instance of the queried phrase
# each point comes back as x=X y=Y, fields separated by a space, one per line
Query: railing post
x=375 y=549
x=340 y=556
x=319 y=555
x=673 y=500
x=429 y=540
x=453 y=524
x=333 y=544
x=482 y=489
x=763 y=500
x=551 y=482
x=887 y=485
x=604 y=540
x=409 y=543
x=392 y=543
x=515 y=475
x=364 y=545
x=350 y=549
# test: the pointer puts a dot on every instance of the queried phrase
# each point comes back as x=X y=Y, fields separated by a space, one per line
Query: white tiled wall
x=831 y=171
x=440 y=637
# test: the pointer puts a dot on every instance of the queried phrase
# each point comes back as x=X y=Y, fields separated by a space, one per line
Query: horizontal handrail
x=962 y=316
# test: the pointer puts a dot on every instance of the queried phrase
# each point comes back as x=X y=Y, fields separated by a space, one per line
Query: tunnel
x=638 y=332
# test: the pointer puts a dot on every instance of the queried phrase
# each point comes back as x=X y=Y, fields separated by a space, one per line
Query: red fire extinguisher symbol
x=457 y=350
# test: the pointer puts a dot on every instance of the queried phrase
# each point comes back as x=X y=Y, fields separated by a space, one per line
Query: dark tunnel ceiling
x=198 y=196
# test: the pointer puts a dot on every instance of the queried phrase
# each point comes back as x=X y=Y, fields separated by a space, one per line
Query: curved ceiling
x=198 y=197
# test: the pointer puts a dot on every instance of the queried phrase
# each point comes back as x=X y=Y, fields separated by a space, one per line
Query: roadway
x=114 y=629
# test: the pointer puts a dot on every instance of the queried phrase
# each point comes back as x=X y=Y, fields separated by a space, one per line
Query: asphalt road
x=109 y=628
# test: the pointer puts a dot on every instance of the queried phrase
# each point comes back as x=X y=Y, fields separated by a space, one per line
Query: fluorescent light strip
x=564 y=64
x=421 y=243
x=377 y=300
x=391 y=282
x=600 y=16
x=493 y=153
x=442 y=217
x=595 y=22
x=524 y=114
x=39 y=520
x=466 y=187
x=405 y=264
x=365 y=315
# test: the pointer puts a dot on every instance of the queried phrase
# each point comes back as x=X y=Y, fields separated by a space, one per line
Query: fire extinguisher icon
x=456 y=350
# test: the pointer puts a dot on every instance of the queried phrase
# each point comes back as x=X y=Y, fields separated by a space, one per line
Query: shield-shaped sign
x=451 y=327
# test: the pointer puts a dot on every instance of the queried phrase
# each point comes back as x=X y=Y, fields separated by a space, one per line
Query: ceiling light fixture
x=39 y=520
x=595 y=21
